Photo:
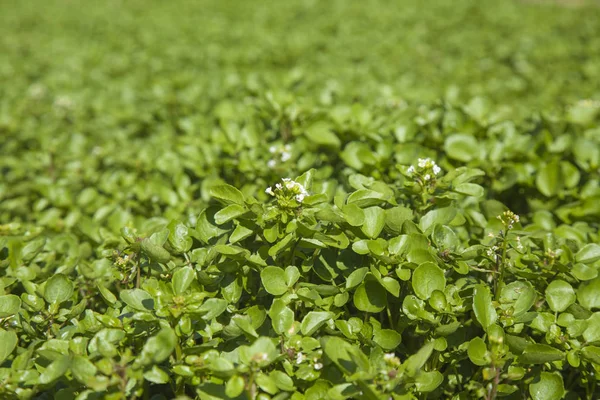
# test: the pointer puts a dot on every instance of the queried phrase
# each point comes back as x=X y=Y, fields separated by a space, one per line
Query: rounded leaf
x=313 y=321
x=549 y=386
x=461 y=147
x=427 y=278
x=560 y=295
x=8 y=342
x=370 y=296
x=137 y=299
x=58 y=289
x=274 y=280
x=478 y=352
x=182 y=279
x=9 y=305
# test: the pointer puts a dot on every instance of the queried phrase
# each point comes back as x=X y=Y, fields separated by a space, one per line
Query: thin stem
x=390 y=319
x=501 y=266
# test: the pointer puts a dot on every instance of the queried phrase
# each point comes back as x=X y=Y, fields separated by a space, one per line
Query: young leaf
x=58 y=289
x=548 y=386
x=182 y=279
x=427 y=278
x=227 y=194
x=482 y=306
x=274 y=280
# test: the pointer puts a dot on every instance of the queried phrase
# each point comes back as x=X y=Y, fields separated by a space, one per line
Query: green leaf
x=549 y=179
x=548 y=386
x=591 y=353
x=156 y=375
x=462 y=147
x=374 y=221
x=588 y=294
x=274 y=280
x=58 y=289
x=427 y=278
x=179 y=238
x=353 y=214
x=282 y=245
x=55 y=370
x=388 y=339
x=313 y=321
x=520 y=295
x=439 y=216
x=370 y=296
x=153 y=248
x=415 y=362
x=235 y=386
x=107 y=295
x=83 y=369
x=320 y=133
x=159 y=347
x=395 y=217
x=227 y=194
x=212 y=308
x=356 y=277
x=241 y=232
x=470 y=189
x=560 y=295
x=588 y=254
x=9 y=305
x=137 y=299
x=428 y=381
x=282 y=317
x=228 y=213
x=182 y=279
x=8 y=342
x=478 y=352
x=348 y=358
x=482 y=306
x=540 y=353
x=282 y=380
x=291 y=275
x=366 y=198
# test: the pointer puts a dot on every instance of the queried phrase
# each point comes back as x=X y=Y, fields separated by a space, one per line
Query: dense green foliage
x=300 y=199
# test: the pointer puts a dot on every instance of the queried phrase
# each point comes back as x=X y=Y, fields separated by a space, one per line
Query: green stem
x=391 y=320
x=501 y=266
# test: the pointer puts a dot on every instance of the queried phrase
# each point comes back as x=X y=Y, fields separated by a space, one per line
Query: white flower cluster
x=288 y=188
x=427 y=167
x=282 y=153
x=300 y=358
x=391 y=359
x=508 y=218
x=589 y=103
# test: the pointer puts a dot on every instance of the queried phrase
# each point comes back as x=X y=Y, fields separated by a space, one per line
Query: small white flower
x=436 y=169
x=318 y=366
x=285 y=156
x=278 y=186
x=287 y=147
x=269 y=190
x=389 y=356
x=427 y=177
x=272 y=149
x=411 y=170
x=286 y=179
x=290 y=185
x=271 y=164
x=300 y=357
x=422 y=162
x=300 y=197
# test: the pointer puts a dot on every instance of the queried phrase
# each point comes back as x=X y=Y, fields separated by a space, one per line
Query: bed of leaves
x=435 y=236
